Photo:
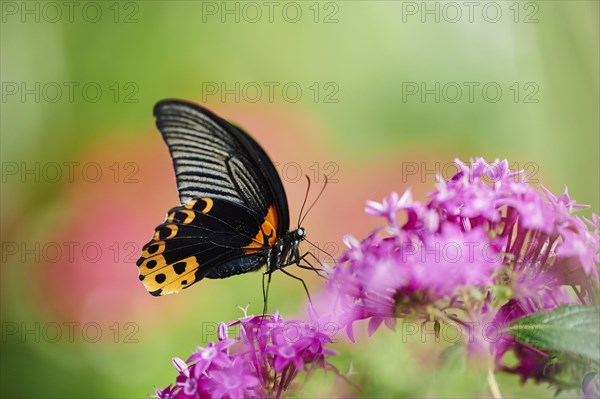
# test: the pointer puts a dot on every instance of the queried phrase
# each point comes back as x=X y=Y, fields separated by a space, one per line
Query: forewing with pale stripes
x=212 y=159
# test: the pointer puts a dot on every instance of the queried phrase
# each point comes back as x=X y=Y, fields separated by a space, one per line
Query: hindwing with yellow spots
x=204 y=238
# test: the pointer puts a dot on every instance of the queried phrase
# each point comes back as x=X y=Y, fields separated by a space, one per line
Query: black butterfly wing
x=233 y=202
x=213 y=158
x=206 y=237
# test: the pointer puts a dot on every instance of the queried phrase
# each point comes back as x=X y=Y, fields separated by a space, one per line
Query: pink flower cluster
x=263 y=361
x=485 y=227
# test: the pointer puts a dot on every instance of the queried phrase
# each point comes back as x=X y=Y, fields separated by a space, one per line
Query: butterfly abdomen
x=241 y=265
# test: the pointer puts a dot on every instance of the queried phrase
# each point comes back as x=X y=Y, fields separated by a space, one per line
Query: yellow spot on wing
x=209 y=204
x=190 y=204
x=155 y=248
x=171 y=282
x=176 y=216
x=176 y=286
x=157 y=261
x=173 y=229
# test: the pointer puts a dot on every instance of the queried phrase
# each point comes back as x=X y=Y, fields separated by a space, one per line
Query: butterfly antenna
x=305 y=198
x=316 y=199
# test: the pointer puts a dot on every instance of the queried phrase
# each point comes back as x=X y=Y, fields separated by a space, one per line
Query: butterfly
x=233 y=217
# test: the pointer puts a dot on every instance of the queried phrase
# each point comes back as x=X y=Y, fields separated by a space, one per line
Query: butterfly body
x=233 y=216
x=285 y=251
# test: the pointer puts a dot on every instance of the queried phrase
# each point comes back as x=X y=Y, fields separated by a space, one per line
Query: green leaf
x=570 y=328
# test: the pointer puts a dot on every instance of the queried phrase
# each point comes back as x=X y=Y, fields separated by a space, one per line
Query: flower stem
x=493 y=384
x=578 y=294
x=532 y=348
x=281 y=381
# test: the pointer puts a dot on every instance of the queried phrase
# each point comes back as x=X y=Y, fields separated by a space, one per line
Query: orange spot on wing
x=272 y=216
x=267 y=230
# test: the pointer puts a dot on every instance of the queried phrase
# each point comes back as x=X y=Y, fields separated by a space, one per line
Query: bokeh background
x=374 y=94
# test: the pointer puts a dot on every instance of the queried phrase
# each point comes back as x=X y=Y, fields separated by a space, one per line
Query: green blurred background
x=374 y=94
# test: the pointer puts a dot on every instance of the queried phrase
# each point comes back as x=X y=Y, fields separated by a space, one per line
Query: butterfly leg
x=299 y=279
x=312 y=268
x=317 y=270
x=298 y=259
x=265 y=290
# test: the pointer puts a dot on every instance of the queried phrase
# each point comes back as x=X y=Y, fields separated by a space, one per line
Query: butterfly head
x=299 y=234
